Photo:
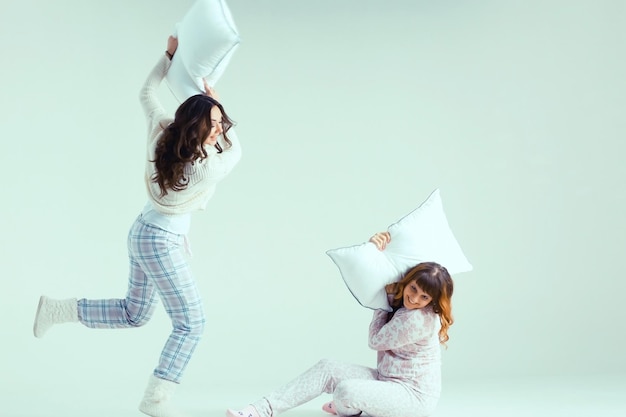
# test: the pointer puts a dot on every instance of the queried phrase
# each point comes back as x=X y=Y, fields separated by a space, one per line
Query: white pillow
x=207 y=39
x=421 y=236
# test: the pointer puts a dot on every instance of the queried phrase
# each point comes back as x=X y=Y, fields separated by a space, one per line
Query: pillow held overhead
x=423 y=235
x=207 y=39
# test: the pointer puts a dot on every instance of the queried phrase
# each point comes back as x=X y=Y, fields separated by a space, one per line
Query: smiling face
x=216 y=126
x=414 y=297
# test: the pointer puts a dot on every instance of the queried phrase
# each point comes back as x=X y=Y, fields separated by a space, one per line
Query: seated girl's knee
x=326 y=363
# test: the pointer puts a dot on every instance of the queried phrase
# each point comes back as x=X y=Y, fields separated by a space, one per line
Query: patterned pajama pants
x=158 y=269
x=355 y=389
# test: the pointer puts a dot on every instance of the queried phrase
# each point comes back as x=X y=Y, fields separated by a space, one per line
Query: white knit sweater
x=203 y=175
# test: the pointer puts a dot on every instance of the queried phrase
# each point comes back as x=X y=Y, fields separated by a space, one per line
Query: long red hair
x=435 y=280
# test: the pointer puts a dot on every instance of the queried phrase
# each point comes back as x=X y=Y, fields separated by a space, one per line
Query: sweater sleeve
x=220 y=165
x=150 y=103
x=405 y=327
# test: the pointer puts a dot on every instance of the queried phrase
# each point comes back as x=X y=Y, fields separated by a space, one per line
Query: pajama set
x=158 y=246
x=406 y=383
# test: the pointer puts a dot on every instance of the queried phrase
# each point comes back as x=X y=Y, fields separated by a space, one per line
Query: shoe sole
x=37 y=316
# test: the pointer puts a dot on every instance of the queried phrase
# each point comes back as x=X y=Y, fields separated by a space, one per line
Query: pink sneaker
x=329 y=408
x=249 y=411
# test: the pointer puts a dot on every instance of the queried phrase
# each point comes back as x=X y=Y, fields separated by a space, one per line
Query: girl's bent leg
x=161 y=256
x=133 y=311
x=183 y=304
x=379 y=399
x=321 y=378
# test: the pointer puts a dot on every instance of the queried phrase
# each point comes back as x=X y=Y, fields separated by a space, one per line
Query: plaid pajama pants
x=158 y=269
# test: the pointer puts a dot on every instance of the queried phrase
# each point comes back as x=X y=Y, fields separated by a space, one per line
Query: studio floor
x=537 y=397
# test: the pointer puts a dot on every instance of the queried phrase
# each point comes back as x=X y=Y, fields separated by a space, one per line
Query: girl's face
x=414 y=297
x=216 y=126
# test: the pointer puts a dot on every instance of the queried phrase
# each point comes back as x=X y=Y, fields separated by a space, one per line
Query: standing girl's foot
x=157 y=400
x=51 y=312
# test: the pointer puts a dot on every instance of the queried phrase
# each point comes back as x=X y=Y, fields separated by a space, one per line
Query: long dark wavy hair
x=435 y=281
x=182 y=141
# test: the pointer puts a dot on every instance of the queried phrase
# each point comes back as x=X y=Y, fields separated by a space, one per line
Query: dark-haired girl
x=186 y=157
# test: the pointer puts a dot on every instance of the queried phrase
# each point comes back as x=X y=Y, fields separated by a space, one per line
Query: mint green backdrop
x=350 y=113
